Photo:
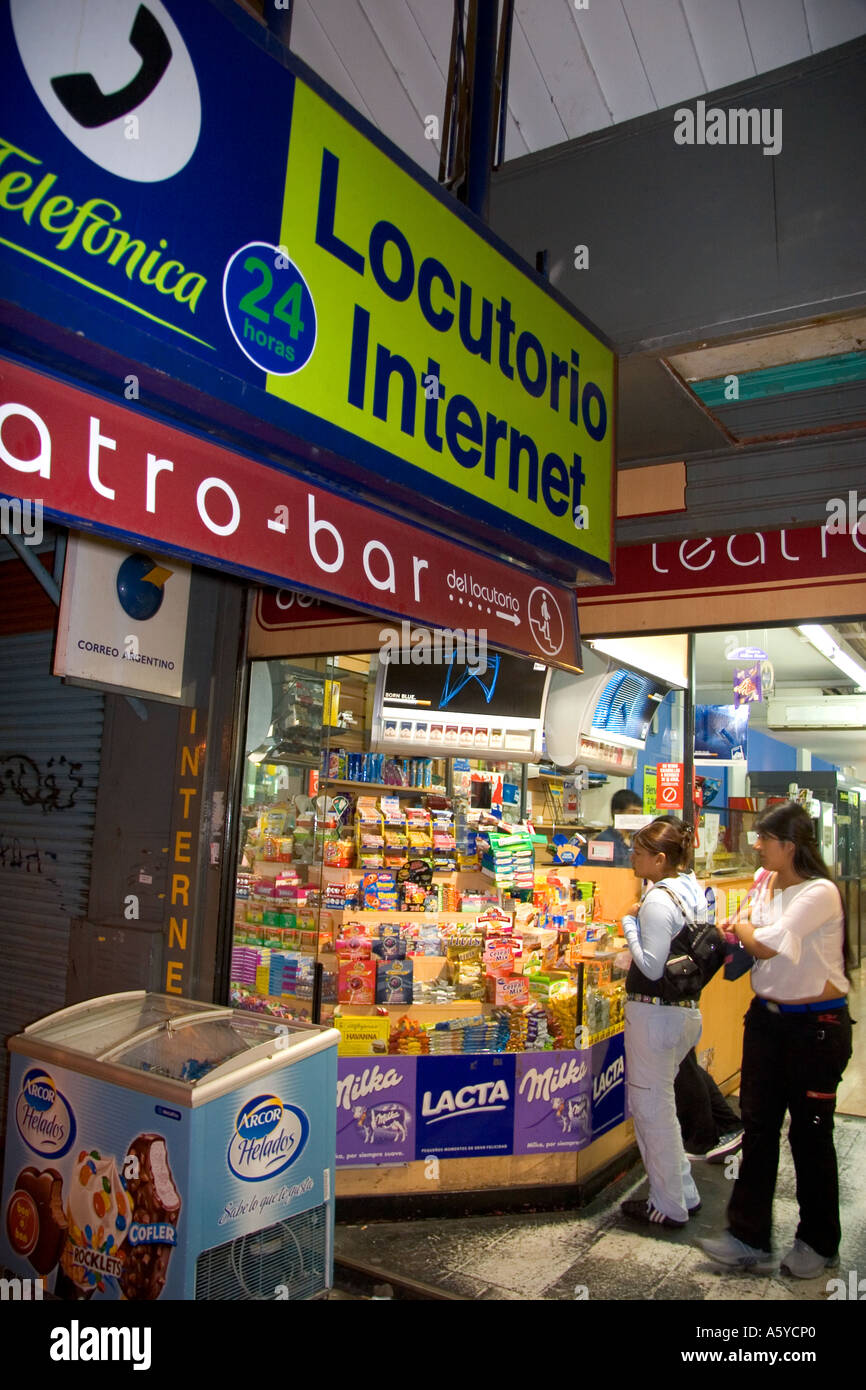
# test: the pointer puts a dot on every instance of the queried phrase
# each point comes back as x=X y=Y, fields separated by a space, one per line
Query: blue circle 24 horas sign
x=269 y=308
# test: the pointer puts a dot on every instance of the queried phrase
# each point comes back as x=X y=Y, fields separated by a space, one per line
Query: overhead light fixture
x=258 y=754
x=747 y=654
x=824 y=643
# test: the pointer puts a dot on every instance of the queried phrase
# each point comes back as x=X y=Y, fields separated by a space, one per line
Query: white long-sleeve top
x=803 y=924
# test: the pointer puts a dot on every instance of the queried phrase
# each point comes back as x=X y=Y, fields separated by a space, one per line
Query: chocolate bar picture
x=35 y=1220
x=155 y=1202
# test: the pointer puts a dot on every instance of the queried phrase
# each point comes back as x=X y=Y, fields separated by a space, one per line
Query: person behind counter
x=622 y=803
x=660 y=1026
x=796 y=1046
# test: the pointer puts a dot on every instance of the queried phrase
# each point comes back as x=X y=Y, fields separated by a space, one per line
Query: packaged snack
x=378 y=891
x=498 y=957
x=394 y=982
x=339 y=853
x=408 y=1038
x=389 y=944
x=464 y=954
x=356 y=982
x=512 y=990
x=354 y=948
x=429 y=941
x=413 y=897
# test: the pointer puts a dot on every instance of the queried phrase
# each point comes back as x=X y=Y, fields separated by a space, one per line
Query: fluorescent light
x=823 y=642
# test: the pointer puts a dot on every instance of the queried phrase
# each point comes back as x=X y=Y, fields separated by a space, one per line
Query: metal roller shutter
x=50 y=742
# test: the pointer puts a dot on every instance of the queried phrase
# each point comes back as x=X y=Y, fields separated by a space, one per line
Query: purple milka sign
x=375 y=1110
x=553 y=1109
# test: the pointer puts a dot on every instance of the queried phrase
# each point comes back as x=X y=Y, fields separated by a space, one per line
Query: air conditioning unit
x=819 y=712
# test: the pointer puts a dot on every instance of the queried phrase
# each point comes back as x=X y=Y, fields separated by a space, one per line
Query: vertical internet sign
x=300 y=270
x=184 y=850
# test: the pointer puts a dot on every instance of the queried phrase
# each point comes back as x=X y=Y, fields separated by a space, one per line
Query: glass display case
x=402 y=898
x=276 y=907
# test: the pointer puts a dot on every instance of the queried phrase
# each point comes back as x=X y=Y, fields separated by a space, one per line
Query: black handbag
x=697 y=952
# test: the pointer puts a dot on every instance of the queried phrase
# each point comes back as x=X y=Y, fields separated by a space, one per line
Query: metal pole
x=504 y=71
x=483 y=101
x=689 y=808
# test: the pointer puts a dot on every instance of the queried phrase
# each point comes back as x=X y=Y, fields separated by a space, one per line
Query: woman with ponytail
x=796 y=1046
x=661 y=1026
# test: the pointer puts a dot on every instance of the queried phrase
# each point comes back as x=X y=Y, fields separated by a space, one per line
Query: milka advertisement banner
x=375 y=1110
x=554 y=1102
x=396 y=1109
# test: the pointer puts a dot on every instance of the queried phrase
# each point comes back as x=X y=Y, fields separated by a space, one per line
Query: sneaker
x=727 y=1144
x=650 y=1215
x=805 y=1263
x=730 y=1143
x=693 y=1211
x=727 y=1250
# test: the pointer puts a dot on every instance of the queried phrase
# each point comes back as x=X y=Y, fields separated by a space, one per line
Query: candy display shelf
x=377 y=787
x=381 y=914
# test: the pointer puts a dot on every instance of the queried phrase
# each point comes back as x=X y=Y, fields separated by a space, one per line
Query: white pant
x=657 y=1039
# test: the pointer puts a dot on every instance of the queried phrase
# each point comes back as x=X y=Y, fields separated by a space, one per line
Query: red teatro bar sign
x=105 y=467
x=766 y=576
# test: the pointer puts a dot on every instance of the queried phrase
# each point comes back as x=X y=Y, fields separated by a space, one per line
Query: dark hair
x=621 y=800
x=791 y=821
x=668 y=836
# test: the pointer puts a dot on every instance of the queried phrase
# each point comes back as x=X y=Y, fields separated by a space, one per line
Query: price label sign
x=669 y=786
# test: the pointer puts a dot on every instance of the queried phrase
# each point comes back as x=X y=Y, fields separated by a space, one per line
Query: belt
x=665 y=1003
x=823 y=1006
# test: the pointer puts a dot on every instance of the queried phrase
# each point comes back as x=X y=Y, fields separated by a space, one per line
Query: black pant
x=791 y=1062
x=702 y=1110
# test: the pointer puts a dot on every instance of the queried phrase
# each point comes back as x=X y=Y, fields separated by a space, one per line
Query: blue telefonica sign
x=201 y=206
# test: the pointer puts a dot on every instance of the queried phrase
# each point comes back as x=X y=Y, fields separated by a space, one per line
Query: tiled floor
x=553 y=1255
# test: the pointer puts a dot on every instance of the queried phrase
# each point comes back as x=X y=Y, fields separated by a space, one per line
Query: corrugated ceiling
x=573 y=71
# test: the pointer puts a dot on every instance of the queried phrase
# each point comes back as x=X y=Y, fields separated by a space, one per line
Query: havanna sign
x=300 y=268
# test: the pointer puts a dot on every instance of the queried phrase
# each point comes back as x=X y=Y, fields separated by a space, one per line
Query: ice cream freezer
x=162 y=1148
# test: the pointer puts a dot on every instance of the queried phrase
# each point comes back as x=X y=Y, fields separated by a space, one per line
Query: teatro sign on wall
x=345 y=306
x=773 y=576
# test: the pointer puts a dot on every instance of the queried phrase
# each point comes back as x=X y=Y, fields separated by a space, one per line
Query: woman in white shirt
x=661 y=1026
x=796 y=1046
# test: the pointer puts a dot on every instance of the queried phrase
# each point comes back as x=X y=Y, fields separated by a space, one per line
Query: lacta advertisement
x=465 y=1106
x=608 y=1084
